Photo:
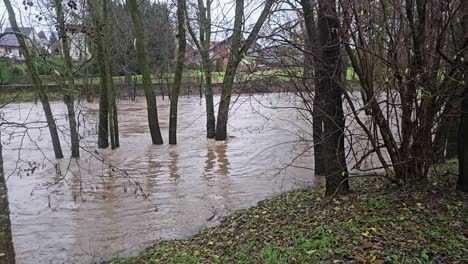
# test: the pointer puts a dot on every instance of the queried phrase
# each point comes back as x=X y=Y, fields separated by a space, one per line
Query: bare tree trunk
x=203 y=45
x=181 y=9
x=235 y=57
x=112 y=105
x=29 y=59
x=329 y=74
x=310 y=64
x=462 y=183
x=145 y=72
x=69 y=97
x=96 y=9
x=7 y=251
x=134 y=87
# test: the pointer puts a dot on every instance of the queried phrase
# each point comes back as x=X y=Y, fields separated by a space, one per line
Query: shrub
x=5 y=72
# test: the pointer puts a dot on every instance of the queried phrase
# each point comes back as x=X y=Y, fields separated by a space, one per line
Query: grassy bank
x=424 y=225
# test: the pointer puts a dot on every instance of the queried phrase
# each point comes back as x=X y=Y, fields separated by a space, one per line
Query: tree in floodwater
x=203 y=45
x=238 y=50
x=145 y=72
x=7 y=251
x=108 y=122
x=69 y=93
x=29 y=60
x=329 y=73
x=181 y=9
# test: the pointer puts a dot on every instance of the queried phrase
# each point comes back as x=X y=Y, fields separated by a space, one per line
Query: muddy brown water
x=116 y=203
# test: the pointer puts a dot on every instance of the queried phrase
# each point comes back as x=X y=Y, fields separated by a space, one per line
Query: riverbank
x=382 y=225
x=25 y=93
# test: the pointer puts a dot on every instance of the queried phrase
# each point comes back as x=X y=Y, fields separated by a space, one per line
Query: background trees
x=159 y=37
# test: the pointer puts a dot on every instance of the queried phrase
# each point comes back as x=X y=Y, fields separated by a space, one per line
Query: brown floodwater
x=116 y=203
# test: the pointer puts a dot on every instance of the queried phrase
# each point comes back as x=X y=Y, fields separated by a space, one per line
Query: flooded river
x=116 y=203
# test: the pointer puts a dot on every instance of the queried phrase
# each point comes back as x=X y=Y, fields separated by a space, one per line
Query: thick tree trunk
x=96 y=10
x=203 y=45
x=69 y=94
x=205 y=39
x=112 y=104
x=181 y=9
x=210 y=115
x=310 y=78
x=317 y=136
x=462 y=183
x=7 y=251
x=29 y=60
x=329 y=75
x=223 y=110
x=145 y=72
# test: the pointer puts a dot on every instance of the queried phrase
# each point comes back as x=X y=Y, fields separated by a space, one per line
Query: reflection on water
x=114 y=203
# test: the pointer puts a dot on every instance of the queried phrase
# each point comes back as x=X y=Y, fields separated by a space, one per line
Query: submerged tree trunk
x=145 y=72
x=208 y=67
x=7 y=251
x=238 y=51
x=112 y=104
x=29 y=60
x=108 y=122
x=96 y=9
x=69 y=94
x=203 y=45
x=329 y=75
x=181 y=9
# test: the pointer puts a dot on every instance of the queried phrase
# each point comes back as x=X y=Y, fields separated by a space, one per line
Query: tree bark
x=7 y=250
x=181 y=9
x=145 y=72
x=462 y=183
x=112 y=104
x=69 y=94
x=96 y=9
x=238 y=51
x=203 y=46
x=329 y=87
x=310 y=65
x=29 y=60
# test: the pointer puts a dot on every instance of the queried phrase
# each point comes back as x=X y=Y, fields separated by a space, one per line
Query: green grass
x=413 y=226
x=195 y=75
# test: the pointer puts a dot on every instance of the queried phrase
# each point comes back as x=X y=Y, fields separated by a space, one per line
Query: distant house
x=220 y=50
x=193 y=56
x=79 y=48
x=9 y=45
